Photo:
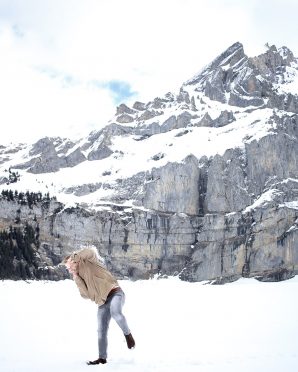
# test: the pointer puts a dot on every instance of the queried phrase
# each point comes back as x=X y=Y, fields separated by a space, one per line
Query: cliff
x=202 y=184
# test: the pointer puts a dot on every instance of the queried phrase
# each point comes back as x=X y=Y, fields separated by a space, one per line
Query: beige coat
x=94 y=280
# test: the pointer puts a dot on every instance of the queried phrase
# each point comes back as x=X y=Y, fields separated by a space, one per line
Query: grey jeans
x=112 y=308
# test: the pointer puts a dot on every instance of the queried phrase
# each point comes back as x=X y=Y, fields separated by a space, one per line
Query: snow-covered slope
x=204 y=119
x=131 y=156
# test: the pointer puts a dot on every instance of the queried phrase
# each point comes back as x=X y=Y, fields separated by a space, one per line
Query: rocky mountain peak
x=287 y=54
x=237 y=80
x=232 y=79
x=43 y=145
x=231 y=56
x=273 y=63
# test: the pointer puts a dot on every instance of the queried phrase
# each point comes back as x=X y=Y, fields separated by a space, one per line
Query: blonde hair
x=84 y=246
x=94 y=249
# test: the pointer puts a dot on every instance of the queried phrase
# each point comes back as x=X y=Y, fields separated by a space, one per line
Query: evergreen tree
x=17 y=253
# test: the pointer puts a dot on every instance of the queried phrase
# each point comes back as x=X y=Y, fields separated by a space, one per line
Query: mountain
x=202 y=184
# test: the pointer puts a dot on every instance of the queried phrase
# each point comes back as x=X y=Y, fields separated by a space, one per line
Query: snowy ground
x=245 y=326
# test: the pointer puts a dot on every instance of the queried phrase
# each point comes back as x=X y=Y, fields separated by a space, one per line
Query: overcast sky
x=66 y=64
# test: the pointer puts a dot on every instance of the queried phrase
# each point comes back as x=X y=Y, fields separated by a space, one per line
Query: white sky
x=65 y=65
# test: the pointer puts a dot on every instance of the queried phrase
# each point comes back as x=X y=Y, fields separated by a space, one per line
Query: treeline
x=26 y=198
x=18 y=253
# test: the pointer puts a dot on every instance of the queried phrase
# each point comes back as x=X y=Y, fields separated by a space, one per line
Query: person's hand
x=74 y=274
x=72 y=267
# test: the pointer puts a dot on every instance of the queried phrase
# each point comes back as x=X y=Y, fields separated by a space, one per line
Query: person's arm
x=73 y=268
x=80 y=282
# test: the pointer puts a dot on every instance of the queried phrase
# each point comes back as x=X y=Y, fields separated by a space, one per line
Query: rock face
x=45 y=156
x=235 y=79
x=174 y=188
x=214 y=214
x=138 y=244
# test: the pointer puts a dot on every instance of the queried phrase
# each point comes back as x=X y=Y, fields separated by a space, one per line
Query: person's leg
x=103 y=319
x=117 y=302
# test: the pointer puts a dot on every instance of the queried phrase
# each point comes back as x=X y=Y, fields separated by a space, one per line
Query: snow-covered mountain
x=180 y=184
x=231 y=102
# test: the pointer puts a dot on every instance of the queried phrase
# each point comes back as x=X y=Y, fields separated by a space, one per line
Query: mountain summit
x=201 y=183
x=237 y=80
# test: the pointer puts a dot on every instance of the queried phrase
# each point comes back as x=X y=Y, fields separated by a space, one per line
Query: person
x=96 y=283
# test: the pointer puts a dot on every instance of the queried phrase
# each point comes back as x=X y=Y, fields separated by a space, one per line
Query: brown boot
x=97 y=361
x=130 y=341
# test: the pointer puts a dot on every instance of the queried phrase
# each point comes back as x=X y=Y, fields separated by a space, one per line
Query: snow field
x=178 y=326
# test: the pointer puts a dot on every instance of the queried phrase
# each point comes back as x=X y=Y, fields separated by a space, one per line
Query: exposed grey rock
x=103 y=139
x=176 y=186
x=235 y=245
x=107 y=132
x=180 y=134
x=45 y=157
x=158 y=103
x=158 y=156
x=183 y=96
x=13 y=150
x=286 y=102
x=183 y=120
x=149 y=114
x=64 y=146
x=173 y=122
x=273 y=63
x=4 y=180
x=139 y=244
x=140 y=106
x=206 y=121
x=170 y=97
x=272 y=67
x=146 y=130
x=84 y=189
x=273 y=155
x=236 y=100
x=248 y=85
x=193 y=106
x=125 y=118
x=42 y=146
x=4 y=160
x=75 y=158
x=169 y=124
x=225 y=118
x=232 y=56
x=215 y=90
x=216 y=79
x=241 y=81
x=106 y=173
x=123 y=109
x=134 y=244
x=102 y=152
x=226 y=188
x=46 y=163
x=131 y=188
